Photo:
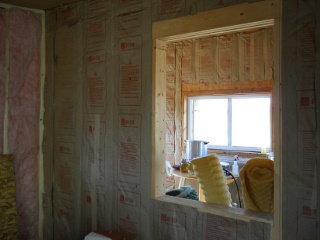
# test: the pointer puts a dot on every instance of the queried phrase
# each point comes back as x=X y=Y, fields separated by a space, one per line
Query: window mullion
x=229 y=121
x=191 y=119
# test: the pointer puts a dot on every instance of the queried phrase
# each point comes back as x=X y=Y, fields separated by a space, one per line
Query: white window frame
x=190 y=119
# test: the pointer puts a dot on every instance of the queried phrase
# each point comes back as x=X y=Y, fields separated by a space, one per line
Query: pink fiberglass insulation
x=23 y=114
x=2 y=71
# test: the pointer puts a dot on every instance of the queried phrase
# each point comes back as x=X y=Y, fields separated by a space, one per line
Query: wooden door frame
x=245 y=16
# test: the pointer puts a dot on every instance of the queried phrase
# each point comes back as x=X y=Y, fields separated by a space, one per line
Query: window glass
x=238 y=122
x=251 y=122
x=210 y=121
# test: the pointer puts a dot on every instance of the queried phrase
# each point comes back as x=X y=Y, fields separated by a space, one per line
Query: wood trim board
x=244 y=16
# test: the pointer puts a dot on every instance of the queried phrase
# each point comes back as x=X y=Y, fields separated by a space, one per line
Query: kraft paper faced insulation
x=99 y=101
x=114 y=54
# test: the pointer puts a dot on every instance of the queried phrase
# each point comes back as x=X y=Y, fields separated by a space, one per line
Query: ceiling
x=37 y=4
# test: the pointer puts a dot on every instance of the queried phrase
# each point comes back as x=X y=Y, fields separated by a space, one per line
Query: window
x=164 y=32
x=231 y=122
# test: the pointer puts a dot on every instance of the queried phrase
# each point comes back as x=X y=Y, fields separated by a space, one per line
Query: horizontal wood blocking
x=243 y=16
x=227 y=87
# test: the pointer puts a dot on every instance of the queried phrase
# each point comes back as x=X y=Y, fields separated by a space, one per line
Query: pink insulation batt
x=23 y=123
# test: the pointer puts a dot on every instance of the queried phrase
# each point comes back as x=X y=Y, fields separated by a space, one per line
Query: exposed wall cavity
x=97 y=141
x=102 y=95
x=19 y=121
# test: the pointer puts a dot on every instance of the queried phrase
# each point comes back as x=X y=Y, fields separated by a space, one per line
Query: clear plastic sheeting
x=177 y=221
x=300 y=143
x=20 y=37
x=103 y=97
x=98 y=100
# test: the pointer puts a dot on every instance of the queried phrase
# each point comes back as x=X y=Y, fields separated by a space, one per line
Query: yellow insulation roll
x=212 y=179
x=257 y=180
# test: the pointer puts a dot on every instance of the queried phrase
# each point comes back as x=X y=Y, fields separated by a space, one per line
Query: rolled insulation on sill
x=212 y=180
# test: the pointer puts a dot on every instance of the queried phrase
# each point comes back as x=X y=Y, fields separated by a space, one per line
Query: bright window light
x=251 y=122
x=235 y=122
x=207 y=126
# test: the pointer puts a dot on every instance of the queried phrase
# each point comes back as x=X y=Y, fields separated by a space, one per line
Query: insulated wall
x=63 y=125
x=97 y=138
x=300 y=144
x=20 y=37
x=98 y=120
x=227 y=58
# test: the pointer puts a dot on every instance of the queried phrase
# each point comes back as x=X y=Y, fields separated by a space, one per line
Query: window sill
x=228 y=157
x=241 y=154
x=220 y=210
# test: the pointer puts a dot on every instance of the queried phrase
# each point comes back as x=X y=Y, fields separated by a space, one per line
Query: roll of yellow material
x=257 y=180
x=212 y=179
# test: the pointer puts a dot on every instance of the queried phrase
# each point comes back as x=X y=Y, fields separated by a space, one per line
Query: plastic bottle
x=235 y=167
